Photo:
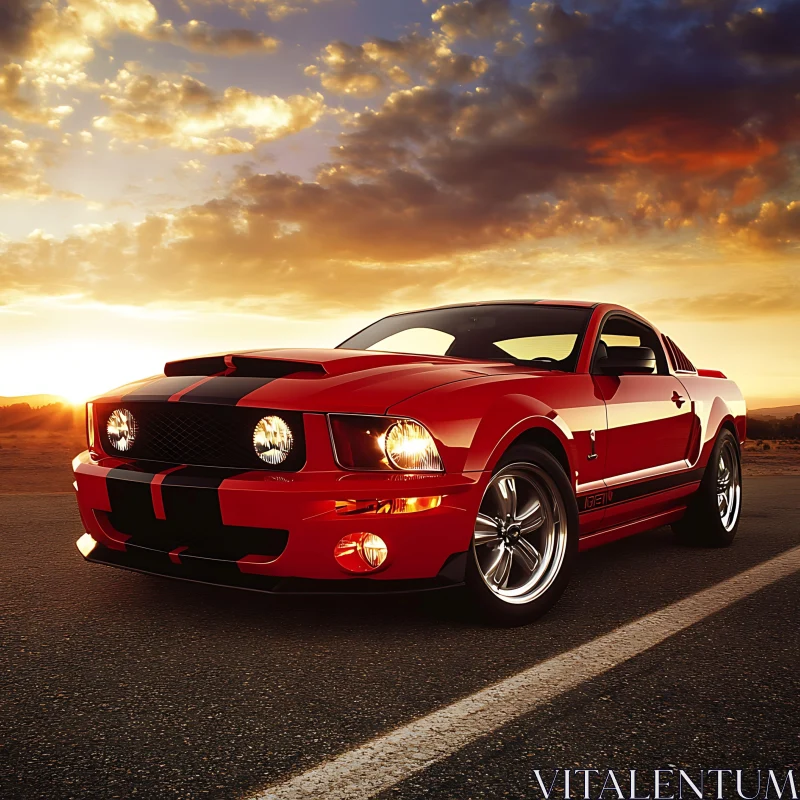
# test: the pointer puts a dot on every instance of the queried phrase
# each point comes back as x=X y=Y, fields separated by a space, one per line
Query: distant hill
x=60 y=418
x=779 y=412
x=33 y=400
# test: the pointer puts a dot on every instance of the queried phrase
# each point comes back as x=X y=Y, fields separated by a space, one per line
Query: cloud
x=21 y=165
x=47 y=46
x=474 y=18
x=276 y=10
x=775 y=225
x=203 y=38
x=15 y=25
x=765 y=304
x=370 y=67
x=24 y=106
x=53 y=42
x=510 y=46
x=187 y=114
x=60 y=38
x=614 y=125
x=769 y=35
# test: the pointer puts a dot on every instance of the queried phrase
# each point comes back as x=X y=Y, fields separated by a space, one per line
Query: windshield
x=547 y=337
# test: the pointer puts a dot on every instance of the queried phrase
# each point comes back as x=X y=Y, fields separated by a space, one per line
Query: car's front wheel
x=525 y=538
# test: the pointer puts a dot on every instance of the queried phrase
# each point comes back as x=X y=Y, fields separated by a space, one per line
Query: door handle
x=593 y=438
x=677 y=399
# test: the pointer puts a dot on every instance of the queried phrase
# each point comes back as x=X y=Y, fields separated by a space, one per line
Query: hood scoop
x=240 y=366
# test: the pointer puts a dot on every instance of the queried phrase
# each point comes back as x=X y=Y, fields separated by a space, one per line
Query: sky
x=188 y=176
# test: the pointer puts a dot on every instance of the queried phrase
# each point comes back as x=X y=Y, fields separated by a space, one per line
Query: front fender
x=475 y=424
x=506 y=421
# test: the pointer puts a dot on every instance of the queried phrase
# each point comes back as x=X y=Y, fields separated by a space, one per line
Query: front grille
x=202 y=435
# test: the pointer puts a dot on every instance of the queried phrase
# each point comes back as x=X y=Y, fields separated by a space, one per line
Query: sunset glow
x=181 y=178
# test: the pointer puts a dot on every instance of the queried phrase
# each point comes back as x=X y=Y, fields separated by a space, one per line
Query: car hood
x=354 y=381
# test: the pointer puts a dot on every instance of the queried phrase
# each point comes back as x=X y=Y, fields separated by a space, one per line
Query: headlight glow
x=272 y=440
x=381 y=443
x=410 y=447
x=121 y=429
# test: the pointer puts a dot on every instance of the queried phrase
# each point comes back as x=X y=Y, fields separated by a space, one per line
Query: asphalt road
x=117 y=685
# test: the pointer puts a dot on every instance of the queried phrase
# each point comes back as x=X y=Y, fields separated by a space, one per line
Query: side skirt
x=630 y=528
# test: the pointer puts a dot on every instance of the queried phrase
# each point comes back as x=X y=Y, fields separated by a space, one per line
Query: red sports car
x=481 y=444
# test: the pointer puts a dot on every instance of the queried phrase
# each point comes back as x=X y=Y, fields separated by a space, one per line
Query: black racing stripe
x=192 y=507
x=190 y=497
x=129 y=495
x=161 y=389
x=132 y=472
x=201 y=477
x=634 y=491
x=224 y=390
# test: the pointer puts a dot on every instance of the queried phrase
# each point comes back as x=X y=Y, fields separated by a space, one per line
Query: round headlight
x=121 y=429
x=409 y=446
x=272 y=440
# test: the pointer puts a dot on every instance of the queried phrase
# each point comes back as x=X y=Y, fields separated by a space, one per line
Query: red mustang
x=480 y=444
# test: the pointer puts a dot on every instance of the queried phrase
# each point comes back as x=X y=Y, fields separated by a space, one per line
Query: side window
x=621 y=340
x=621 y=331
x=555 y=347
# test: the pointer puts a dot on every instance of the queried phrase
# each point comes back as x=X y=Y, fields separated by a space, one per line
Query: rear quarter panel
x=716 y=401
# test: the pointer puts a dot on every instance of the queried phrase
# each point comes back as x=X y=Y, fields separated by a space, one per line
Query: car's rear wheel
x=525 y=538
x=712 y=517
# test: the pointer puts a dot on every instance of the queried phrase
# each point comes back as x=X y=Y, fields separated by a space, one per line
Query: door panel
x=581 y=406
x=648 y=435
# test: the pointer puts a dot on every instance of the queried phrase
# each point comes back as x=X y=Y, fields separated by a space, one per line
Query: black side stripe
x=633 y=491
x=225 y=390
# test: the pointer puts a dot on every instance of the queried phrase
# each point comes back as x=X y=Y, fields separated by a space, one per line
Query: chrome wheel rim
x=520 y=536
x=729 y=486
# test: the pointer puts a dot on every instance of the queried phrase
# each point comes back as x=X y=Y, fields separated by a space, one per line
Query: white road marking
x=389 y=759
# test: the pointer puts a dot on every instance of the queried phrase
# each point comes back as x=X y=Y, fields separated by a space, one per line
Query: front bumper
x=268 y=531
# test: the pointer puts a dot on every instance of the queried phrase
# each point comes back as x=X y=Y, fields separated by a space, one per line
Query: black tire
x=704 y=523
x=540 y=465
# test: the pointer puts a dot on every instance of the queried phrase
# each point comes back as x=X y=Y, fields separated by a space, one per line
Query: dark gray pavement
x=114 y=684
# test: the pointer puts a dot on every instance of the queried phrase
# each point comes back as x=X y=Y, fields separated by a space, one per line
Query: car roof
x=476 y=303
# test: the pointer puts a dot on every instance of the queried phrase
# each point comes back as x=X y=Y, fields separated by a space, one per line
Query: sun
x=76 y=397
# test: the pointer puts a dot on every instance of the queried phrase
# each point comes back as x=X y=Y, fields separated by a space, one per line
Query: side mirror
x=627 y=360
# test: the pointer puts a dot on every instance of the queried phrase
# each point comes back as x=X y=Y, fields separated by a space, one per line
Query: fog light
x=360 y=552
x=86 y=544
